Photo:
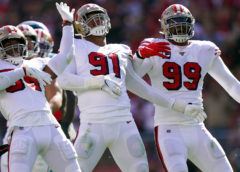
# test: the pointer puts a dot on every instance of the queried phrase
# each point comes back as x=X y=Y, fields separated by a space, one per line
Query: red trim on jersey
x=65 y=21
x=6 y=70
x=9 y=152
x=158 y=148
x=77 y=134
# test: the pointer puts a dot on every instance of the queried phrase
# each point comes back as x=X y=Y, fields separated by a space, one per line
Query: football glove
x=42 y=77
x=64 y=11
x=148 y=49
x=111 y=87
x=195 y=111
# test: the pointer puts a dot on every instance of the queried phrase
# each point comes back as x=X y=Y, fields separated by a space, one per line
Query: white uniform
x=33 y=128
x=181 y=76
x=106 y=122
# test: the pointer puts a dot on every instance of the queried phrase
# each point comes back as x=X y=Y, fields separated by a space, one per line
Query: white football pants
x=122 y=139
x=48 y=141
x=177 y=143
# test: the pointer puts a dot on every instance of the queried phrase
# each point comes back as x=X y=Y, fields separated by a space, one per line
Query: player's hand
x=64 y=11
x=42 y=77
x=148 y=49
x=196 y=112
x=111 y=86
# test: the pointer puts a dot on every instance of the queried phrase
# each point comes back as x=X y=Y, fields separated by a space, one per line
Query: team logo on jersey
x=182 y=53
x=167 y=54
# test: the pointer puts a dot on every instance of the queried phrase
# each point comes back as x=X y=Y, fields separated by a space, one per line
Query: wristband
x=66 y=22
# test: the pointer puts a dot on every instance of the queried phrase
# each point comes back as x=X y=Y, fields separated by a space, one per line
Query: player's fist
x=42 y=77
x=64 y=11
x=111 y=86
x=148 y=49
x=196 y=112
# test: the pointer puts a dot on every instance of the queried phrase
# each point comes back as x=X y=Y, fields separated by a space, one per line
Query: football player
x=32 y=40
x=101 y=73
x=178 y=69
x=33 y=129
x=62 y=102
x=44 y=44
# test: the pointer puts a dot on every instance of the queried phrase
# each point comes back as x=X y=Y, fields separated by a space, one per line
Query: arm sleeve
x=141 y=66
x=139 y=87
x=69 y=80
x=59 y=62
x=9 y=78
x=220 y=72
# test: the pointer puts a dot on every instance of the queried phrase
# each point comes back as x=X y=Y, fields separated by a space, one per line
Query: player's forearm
x=141 y=66
x=225 y=78
x=139 y=87
x=9 y=78
x=54 y=96
x=59 y=62
x=72 y=82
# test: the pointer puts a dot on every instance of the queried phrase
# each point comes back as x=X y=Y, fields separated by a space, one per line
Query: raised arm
x=59 y=62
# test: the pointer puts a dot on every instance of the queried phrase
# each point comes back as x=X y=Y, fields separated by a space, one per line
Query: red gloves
x=148 y=49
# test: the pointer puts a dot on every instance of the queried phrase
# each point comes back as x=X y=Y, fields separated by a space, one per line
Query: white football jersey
x=24 y=103
x=180 y=76
x=92 y=60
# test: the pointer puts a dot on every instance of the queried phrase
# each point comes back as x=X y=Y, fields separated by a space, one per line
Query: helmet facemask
x=33 y=46
x=45 y=42
x=45 y=48
x=180 y=29
x=13 y=52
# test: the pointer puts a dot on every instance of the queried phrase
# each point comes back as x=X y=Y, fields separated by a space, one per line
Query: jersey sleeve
x=8 y=78
x=70 y=80
x=60 y=61
x=125 y=50
x=220 y=72
x=140 y=65
x=139 y=87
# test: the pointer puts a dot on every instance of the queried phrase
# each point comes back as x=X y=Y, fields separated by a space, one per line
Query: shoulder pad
x=213 y=47
x=208 y=46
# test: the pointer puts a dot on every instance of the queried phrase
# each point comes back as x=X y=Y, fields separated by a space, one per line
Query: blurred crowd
x=134 y=20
